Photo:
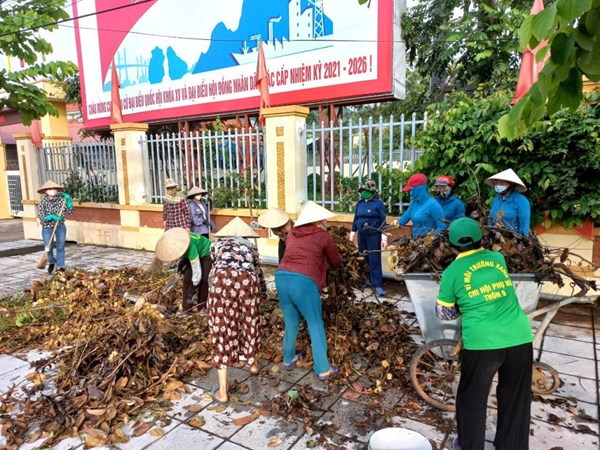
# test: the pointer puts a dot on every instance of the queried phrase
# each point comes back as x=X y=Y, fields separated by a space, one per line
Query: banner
x=183 y=59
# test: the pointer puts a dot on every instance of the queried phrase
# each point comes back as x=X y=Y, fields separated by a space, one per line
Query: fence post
x=130 y=162
x=4 y=198
x=286 y=156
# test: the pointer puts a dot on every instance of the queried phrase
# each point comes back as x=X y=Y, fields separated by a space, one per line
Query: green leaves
x=20 y=24
x=572 y=29
x=570 y=10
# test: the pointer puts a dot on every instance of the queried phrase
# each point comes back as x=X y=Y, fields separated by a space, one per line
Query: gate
x=13 y=181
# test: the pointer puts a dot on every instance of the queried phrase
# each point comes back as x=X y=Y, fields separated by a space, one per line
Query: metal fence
x=229 y=164
x=339 y=157
x=87 y=170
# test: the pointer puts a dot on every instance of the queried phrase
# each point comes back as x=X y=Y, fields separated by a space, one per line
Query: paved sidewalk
x=566 y=420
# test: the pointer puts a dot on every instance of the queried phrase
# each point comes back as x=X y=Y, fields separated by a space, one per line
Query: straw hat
x=170 y=182
x=273 y=218
x=49 y=185
x=236 y=228
x=196 y=191
x=313 y=213
x=510 y=176
x=172 y=244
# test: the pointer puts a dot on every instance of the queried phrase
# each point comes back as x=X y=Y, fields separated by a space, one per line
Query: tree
x=465 y=42
x=572 y=29
x=20 y=25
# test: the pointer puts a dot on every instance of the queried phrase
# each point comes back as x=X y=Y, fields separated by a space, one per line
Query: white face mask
x=198 y=197
x=52 y=192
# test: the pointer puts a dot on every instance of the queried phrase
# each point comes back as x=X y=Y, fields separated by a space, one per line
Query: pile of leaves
x=115 y=353
x=118 y=348
x=523 y=254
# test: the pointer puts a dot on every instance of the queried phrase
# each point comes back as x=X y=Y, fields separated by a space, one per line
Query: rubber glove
x=68 y=199
x=352 y=234
x=51 y=217
x=196 y=272
x=384 y=241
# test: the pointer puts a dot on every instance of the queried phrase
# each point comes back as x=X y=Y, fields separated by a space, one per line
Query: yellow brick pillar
x=30 y=183
x=131 y=176
x=285 y=149
x=4 y=199
x=286 y=157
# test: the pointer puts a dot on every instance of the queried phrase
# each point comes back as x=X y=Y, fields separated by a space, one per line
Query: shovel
x=44 y=258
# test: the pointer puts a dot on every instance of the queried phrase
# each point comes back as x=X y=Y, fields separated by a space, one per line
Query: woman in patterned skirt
x=237 y=287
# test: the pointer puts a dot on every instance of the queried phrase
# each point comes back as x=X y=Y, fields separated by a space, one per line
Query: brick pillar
x=4 y=199
x=130 y=162
x=286 y=157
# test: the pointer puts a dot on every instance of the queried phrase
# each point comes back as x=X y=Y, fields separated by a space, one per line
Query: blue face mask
x=500 y=189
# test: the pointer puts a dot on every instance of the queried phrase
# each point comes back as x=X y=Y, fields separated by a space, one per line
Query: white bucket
x=398 y=439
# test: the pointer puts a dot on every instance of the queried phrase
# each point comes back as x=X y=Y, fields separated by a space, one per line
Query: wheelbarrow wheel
x=435 y=372
x=545 y=378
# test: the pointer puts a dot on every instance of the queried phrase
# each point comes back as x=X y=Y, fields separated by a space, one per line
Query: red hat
x=444 y=180
x=415 y=180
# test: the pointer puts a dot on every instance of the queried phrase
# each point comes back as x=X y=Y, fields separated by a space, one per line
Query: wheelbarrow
x=435 y=367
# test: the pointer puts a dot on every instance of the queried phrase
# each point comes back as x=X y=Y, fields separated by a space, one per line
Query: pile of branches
x=118 y=348
x=113 y=357
x=524 y=254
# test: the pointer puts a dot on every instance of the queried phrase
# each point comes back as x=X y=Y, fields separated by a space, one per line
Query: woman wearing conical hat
x=200 y=211
x=279 y=222
x=309 y=252
x=193 y=252
x=51 y=211
x=175 y=207
x=510 y=209
x=236 y=290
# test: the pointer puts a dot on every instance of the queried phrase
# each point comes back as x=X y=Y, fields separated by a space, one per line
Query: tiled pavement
x=568 y=419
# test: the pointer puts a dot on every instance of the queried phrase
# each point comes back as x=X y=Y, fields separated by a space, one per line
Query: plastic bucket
x=398 y=439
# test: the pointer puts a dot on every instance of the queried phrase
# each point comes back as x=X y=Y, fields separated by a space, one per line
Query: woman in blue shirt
x=510 y=208
x=425 y=213
x=370 y=214
x=200 y=212
x=453 y=207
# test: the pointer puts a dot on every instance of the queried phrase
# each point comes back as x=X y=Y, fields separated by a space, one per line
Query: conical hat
x=172 y=245
x=311 y=212
x=170 y=182
x=196 y=191
x=273 y=218
x=49 y=185
x=236 y=228
x=510 y=176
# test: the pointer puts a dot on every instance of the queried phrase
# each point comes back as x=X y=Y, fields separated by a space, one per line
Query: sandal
x=329 y=374
x=291 y=365
x=213 y=394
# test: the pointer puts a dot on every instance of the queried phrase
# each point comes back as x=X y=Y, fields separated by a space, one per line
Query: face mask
x=52 y=192
x=444 y=194
x=366 y=195
x=500 y=189
x=198 y=197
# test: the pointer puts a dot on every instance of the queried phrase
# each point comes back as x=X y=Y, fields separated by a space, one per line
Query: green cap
x=464 y=231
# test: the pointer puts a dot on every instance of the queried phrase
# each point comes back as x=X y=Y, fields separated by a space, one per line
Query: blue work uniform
x=372 y=213
x=425 y=213
x=453 y=207
x=512 y=212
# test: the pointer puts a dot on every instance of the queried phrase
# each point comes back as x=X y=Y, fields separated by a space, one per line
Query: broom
x=44 y=258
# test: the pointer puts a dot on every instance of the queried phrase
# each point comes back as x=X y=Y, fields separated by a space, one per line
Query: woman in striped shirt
x=51 y=212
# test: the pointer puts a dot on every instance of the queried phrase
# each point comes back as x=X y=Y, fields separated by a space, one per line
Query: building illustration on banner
x=286 y=27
